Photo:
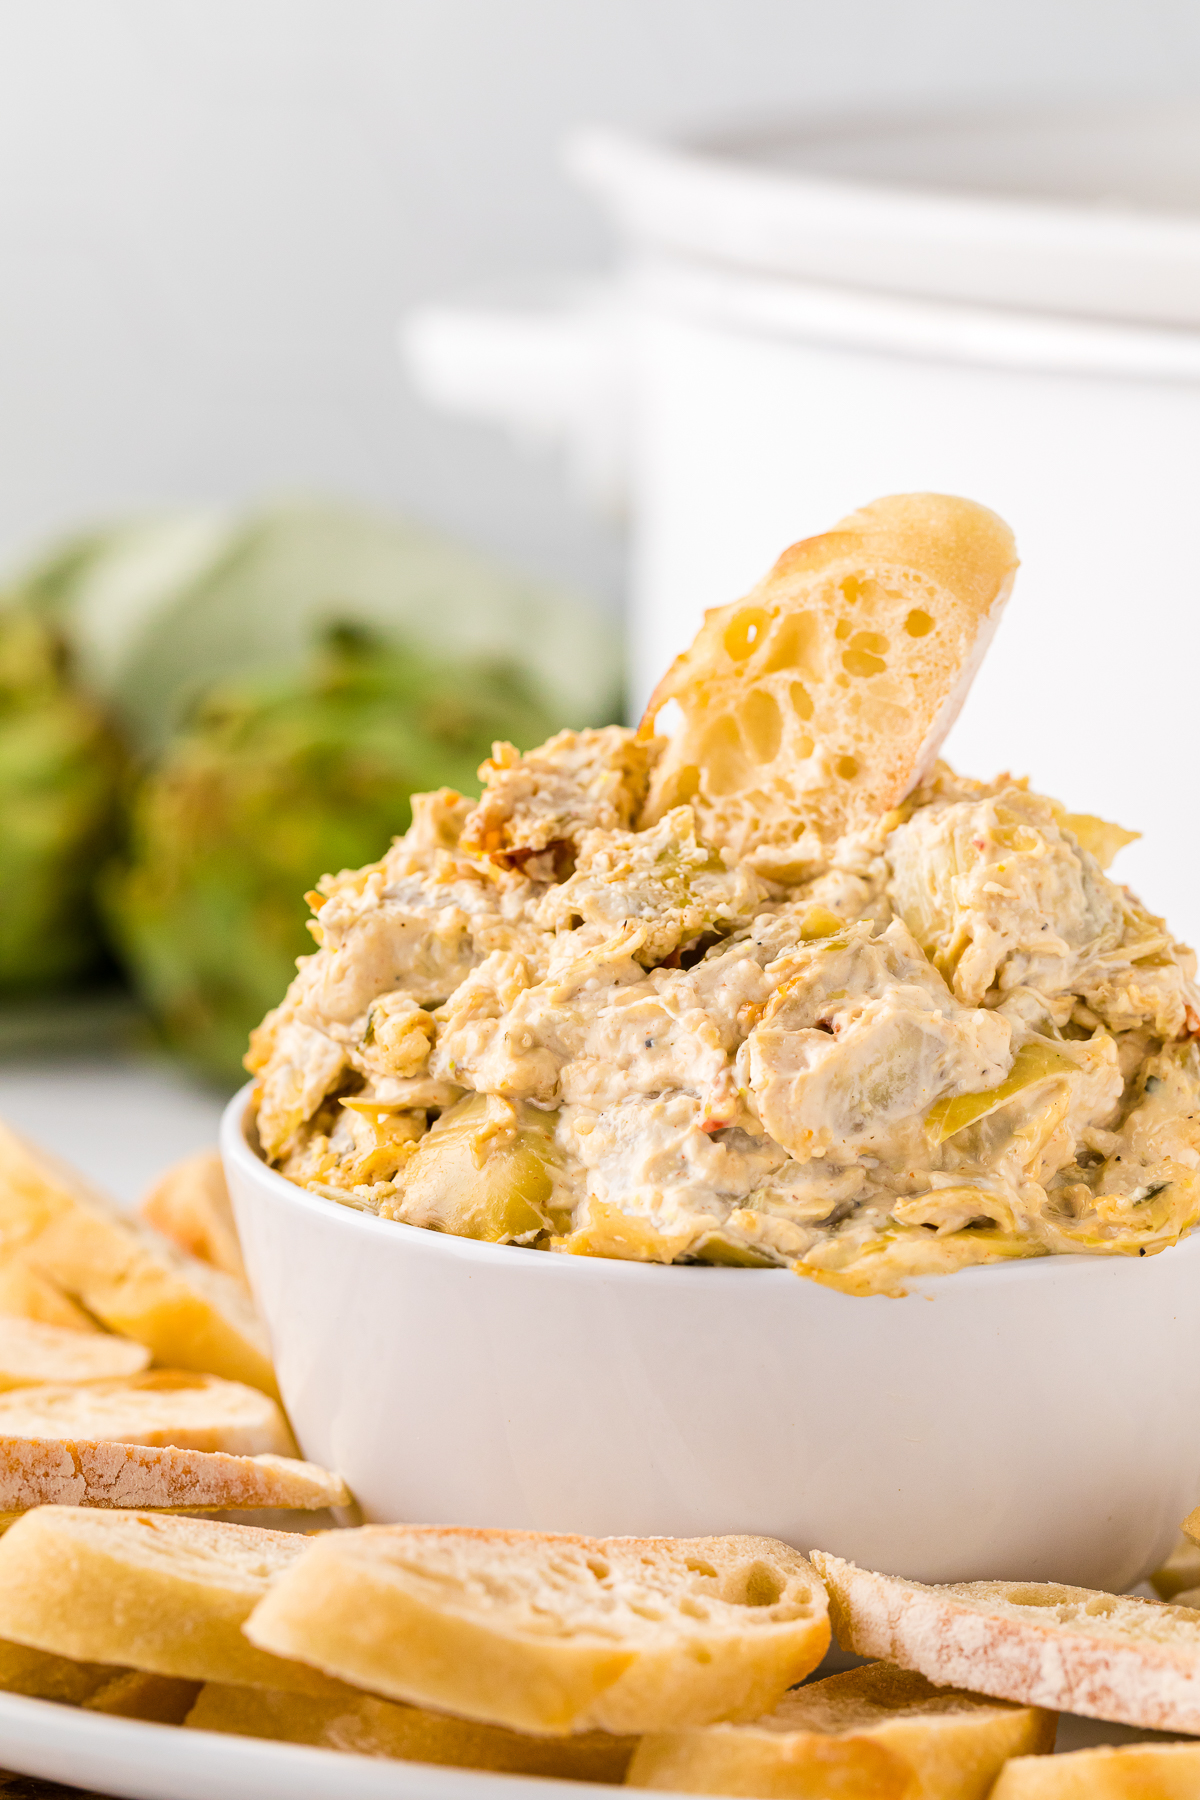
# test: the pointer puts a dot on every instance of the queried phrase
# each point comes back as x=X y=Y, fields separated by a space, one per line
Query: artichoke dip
x=781 y=990
x=957 y=1041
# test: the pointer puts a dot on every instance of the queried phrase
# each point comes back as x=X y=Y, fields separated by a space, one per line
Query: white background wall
x=212 y=214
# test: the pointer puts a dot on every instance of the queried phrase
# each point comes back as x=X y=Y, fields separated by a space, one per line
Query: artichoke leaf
x=488 y=1169
x=1035 y=1061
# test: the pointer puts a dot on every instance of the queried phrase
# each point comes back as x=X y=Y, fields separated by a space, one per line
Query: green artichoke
x=274 y=783
x=60 y=768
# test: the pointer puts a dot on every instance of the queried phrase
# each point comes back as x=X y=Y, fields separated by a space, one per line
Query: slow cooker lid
x=1090 y=213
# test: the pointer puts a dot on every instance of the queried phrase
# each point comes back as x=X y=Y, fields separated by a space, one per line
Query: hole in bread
x=861 y=662
x=846 y=767
x=654 y=1613
x=804 y=746
x=1101 y=1606
x=1049 y=1595
x=702 y=1568
x=918 y=623
x=699 y=1653
x=723 y=757
x=682 y=786
x=763 y=1586
x=793 y=644
x=762 y=725
x=851 y=589
x=801 y=701
x=744 y=632
x=693 y=1608
x=599 y=1568
x=843 y=630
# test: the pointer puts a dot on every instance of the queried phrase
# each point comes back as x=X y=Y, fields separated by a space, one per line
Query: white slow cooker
x=1003 y=308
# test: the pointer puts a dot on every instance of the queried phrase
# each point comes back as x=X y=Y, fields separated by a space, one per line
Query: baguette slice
x=44 y=1676
x=25 y=1293
x=1129 y=1772
x=133 y=1694
x=161 y=1406
x=32 y=1354
x=147 y=1591
x=369 y=1727
x=815 y=704
x=1180 y=1572
x=190 y=1205
x=553 y=1634
x=136 y=1283
x=1107 y=1656
x=62 y=1472
x=871 y=1733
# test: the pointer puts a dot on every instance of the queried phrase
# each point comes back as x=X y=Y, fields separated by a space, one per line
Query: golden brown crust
x=553 y=1634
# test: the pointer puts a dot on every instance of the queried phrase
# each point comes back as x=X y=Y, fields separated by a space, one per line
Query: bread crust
x=1128 y=1661
x=553 y=1634
x=82 y=1472
x=189 y=1315
x=876 y=1733
x=812 y=706
x=146 y=1591
x=367 y=1726
x=160 y=1406
x=1118 y=1772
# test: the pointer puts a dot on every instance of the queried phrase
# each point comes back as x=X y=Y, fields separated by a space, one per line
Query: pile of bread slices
x=138 y=1422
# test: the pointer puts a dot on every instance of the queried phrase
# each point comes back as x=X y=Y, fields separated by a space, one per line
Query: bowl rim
x=237 y=1150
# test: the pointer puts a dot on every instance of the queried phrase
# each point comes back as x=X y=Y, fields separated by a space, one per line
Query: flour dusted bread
x=32 y=1353
x=819 y=700
x=872 y=1734
x=1107 y=1656
x=366 y=1726
x=1127 y=1772
x=553 y=1634
x=161 y=1406
x=57 y=1472
x=147 y=1591
x=189 y=1315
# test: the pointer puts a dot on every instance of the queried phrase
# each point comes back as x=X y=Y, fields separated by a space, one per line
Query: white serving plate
x=154 y=1762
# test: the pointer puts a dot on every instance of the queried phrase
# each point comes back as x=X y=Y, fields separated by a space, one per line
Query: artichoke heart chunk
x=1035 y=1061
x=489 y=1169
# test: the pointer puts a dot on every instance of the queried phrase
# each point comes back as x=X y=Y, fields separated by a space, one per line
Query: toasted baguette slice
x=1130 y=1772
x=190 y=1316
x=190 y=1205
x=872 y=1732
x=358 y=1722
x=133 y=1694
x=43 y=1676
x=553 y=1634
x=818 y=701
x=1180 y=1572
x=62 y=1472
x=32 y=1354
x=161 y=1406
x=25 y=1293
x=1107 y=1656
x=147 y=1591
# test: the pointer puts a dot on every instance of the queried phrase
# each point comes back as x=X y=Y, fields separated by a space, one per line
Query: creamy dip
x=951 y=1040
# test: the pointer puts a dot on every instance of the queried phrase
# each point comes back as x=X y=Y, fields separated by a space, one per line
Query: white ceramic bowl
x=1038 y=1420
